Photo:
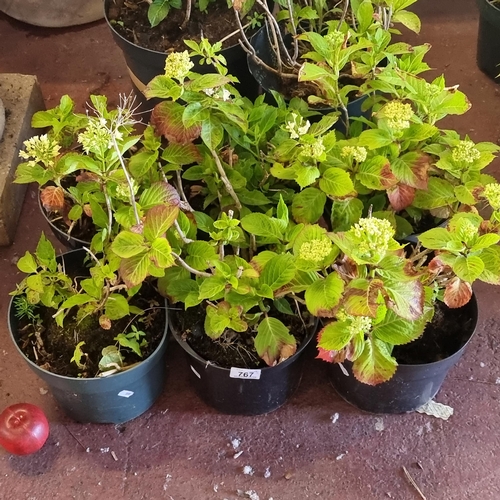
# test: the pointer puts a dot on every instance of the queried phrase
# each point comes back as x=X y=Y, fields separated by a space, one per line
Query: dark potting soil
x=232 y=349
x=59 y=343
x=447 y=333
x=130 y=19
x=83 y=230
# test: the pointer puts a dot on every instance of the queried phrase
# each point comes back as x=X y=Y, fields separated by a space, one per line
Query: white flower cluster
x=220 y=93
x=41 y=149
x=465 y=151
x=97 y=137
x=296 y=126
x=315 y=150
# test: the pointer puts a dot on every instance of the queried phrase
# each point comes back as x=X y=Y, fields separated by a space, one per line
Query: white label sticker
x=244 y=373
x=125 y=394
x=195 y=372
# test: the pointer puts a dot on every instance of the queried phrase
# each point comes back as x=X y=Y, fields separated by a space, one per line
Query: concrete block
x=21 y=96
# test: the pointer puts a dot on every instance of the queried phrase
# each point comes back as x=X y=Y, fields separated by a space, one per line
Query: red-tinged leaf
x=134 y=270
x=420 y=169
x=325 y=355
x=363 y=302
x=375 y=365
x=158 y=220
x=52 y=198
x=388 y=179
x=159 y=193
x=166 y=118
x=457 y=293
x=401 y=196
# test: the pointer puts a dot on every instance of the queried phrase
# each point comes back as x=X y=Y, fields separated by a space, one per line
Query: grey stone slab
x=21 y=96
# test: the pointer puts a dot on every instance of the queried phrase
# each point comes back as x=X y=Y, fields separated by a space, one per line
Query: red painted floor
x=183 y=450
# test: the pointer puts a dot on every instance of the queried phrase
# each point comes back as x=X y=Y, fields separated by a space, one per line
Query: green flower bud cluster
x=335 y=39
x=178 y=65
x=492 y=194
x=315 y=150
x=397 y=114
x=358 y=324
x=123 y=190
x=372 y=236
x=42 y=149
x=296 y=126
x=468 y=231
x=465 y=151
x=315 y=250
x=358 y=153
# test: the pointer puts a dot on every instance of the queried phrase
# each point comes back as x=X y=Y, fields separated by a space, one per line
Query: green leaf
x=468 y=268
x=262 y=225
x=35 y=282
x=27 y=264
x=157 y=11
x=200 y=255
x=45 y=253
x=212 y=287
x=308 y=205
x=111 y=358
x=436 y=238
x=127 y=244
x=273 y=341
x=177 y=289
x=408 y=19
x=337 y=183
x=375 y=364
x=76 y=300
x=158 y=193
x=397 y=331
x=374 y=138
x=408 y=298
x=216 y=321
x=335 y=336
x=346 y=213
x=204 y=222
x=212 y=133
x=279 y=271
x=181 y=154
x=116 y=306
x=283 y=306
x=142 y=162
x=161 y=253
x=305 y=176
x=323 y=296
x=129 y=343
x=376 y=174
x=485 y=241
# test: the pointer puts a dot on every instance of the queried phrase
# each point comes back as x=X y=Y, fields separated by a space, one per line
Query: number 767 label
x=244 y=373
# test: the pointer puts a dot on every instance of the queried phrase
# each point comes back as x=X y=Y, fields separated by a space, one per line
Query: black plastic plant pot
x=70 y=242
x=270 y=80
x=488 y=39
x=113 y=399
x=144 y=64
x=240 y=391
x=411 y=387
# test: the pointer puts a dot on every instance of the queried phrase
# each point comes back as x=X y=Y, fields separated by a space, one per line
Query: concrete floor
x=181 y=449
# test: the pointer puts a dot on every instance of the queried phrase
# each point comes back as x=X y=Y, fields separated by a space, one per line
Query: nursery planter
x=113 y=399
x=53 y=13
x=488 y=39
x=271 y=81
x=412 y=385
x=239 y=391
x=70 y=242
x=144 y=64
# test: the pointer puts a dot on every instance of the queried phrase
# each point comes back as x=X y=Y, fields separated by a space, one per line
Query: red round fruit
x=23 y=429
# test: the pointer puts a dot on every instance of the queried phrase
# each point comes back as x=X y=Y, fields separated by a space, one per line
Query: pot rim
x=88 y=379
x=65 y=235
x=475 y=316
x=189 y=350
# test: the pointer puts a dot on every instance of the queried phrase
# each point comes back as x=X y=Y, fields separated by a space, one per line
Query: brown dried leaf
x=52 y=198
x=457 y=293
x=105 y=322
